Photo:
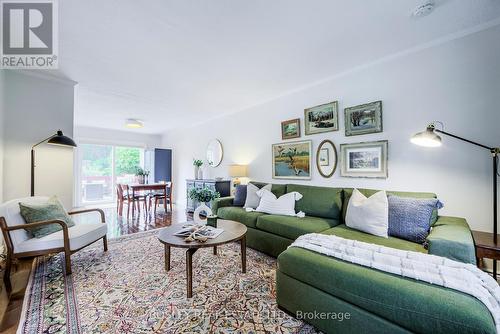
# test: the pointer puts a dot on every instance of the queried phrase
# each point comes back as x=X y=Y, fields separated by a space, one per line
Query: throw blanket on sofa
x=463 y=277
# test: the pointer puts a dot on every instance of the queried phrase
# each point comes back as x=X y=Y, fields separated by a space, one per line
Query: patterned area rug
x=127 y=290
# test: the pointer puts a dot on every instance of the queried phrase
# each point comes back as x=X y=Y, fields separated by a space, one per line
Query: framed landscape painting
x=322 y=118
x=290 y=129
x=292 y=160
x=363 y=119
x=364 y=159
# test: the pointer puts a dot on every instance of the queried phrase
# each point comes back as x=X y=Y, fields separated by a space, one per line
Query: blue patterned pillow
x=411 y=218
x=240 y=195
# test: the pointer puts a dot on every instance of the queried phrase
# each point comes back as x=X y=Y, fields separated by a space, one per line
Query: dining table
x=147 y=187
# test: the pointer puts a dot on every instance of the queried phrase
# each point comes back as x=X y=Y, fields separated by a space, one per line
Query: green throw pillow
x=50 y=210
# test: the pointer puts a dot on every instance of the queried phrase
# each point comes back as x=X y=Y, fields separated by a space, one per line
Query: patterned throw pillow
x=411 y=218
x=240 y=195
x=50 y=210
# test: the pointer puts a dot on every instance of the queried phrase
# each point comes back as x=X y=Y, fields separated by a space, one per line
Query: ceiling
x=175 y=63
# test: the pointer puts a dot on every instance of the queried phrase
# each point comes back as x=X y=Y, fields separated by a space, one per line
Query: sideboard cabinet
x=223 y=187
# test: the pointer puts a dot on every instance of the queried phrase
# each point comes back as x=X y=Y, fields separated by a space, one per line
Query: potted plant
x=139 y=173
x=198 y=174
x=203 y=196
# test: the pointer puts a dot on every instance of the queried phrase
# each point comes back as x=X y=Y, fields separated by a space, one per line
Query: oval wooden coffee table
x=233 y=231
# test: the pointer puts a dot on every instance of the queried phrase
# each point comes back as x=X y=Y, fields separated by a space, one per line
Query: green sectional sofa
x=322 y=290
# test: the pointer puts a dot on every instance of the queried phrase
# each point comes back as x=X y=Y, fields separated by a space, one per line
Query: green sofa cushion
x=293 y=227
x=368 y=192
x=417 y=306
x=277 y=189
x=221 y=202
x=348 y=233
x=451 y=237
x=318 y=201
x=239 y=214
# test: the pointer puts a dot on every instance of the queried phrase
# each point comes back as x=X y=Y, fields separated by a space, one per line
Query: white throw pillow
x=370 y=215
x=285 y=205
x=252 y=200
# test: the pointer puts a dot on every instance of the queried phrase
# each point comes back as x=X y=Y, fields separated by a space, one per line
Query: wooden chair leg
x=105 y=242
x=67 y=259
x=6 y=275
x=170 y=204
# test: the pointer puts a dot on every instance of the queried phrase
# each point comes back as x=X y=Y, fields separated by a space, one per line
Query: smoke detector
x=424 y=9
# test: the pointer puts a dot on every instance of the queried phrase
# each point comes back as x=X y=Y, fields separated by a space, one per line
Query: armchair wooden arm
x=7 y=229
x=101 y=212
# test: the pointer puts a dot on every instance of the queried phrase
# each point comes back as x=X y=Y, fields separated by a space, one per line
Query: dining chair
x=137 y=198
x=124 y=196
x=164 y=195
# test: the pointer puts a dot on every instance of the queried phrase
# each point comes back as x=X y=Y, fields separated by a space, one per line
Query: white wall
x=457 y=82
x=36 y=106
x=2 y=112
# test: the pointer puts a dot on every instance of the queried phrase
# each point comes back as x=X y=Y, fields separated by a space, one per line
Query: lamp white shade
x=238 y=170
x=427 y=138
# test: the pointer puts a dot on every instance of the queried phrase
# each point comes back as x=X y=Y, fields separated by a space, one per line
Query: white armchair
x=69 y=240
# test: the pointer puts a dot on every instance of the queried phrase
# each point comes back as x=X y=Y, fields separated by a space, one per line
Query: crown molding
x=41 y=74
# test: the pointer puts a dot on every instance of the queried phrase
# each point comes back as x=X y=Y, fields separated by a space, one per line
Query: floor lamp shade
x=427 y=138
x=56 y=139
x=62 y=140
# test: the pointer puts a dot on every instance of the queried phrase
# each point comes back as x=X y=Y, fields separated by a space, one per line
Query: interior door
x=163 y=165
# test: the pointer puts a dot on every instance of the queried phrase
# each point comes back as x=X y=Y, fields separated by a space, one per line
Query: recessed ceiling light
x=424 y=9
x=134 y=123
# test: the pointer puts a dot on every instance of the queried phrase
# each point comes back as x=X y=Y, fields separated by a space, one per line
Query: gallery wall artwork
x=363 y=119
x=367 y=159
x=326 y=158
x=322 y=118
x=290 y=129
x=292 y=160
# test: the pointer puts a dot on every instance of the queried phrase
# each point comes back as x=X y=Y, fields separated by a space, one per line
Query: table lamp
x=237 y=171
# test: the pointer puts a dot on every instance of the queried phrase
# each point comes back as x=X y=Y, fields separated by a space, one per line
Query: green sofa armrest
x=221 y=202
x=451 y=237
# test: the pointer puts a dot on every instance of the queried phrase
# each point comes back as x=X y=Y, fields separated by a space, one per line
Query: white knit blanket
x=433 y=269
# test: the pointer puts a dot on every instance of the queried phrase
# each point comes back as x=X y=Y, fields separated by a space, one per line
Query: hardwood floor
x=117 y=226
x=126 y=224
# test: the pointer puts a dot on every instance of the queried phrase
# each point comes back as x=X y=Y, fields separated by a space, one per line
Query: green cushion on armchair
x=51 y=210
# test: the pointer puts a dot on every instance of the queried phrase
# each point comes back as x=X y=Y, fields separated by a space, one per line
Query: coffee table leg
x=215 y=250
x=167 y=257
x=189 y=271
x=243 y=254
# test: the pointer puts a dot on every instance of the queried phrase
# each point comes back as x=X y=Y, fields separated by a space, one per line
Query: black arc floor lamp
x=56 y=139
x=430 y=138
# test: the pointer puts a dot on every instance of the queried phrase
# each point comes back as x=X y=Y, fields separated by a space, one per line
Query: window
x=101 y=167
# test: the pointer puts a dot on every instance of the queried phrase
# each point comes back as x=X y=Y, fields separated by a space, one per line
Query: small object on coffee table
x=212 y=220
x=233 y=231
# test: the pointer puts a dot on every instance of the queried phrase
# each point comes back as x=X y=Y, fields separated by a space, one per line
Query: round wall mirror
x=214 y=153
x=326 y=158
